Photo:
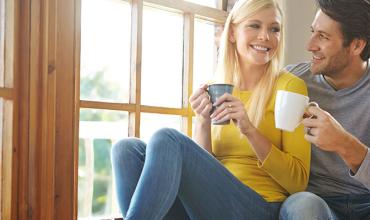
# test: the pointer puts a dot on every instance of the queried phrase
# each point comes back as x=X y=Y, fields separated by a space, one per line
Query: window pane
x=162 y=58
x=205 y=52
x=209 y=3
x=99 y=130
x=105 y=50
x=150 y=123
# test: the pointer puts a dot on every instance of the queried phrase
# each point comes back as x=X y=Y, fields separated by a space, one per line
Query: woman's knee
x=304 y=205
x=127 y=147
x=165 y=135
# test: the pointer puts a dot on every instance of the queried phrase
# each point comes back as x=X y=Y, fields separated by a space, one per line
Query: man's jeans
x=174 y=178
x=308 y=206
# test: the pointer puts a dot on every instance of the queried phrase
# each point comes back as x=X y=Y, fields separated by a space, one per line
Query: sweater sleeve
x=363 y=173
x=290 y=165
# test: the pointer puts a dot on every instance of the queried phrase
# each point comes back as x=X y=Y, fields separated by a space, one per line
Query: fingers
x=226 y=111
x=224 y=98
x=316 y=111
x=310 y=138
x=200 y=91
x=311 y=131
x=206 y=110
x=201 y=101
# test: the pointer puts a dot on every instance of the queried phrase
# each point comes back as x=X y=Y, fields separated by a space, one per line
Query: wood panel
x=10 y=7
x=22 y=78
x=48 y=108
x=7 y=160
x=2 y=41
x=77 y=55
x=10 y=120
x=35 y=114
x=65 y=111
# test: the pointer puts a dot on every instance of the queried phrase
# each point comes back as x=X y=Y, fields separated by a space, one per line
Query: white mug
x=289 y=109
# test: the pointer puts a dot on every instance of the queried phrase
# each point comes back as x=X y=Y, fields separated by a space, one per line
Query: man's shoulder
x=299 y=69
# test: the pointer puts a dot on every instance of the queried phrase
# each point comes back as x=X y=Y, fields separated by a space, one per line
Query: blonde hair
x=228 y=64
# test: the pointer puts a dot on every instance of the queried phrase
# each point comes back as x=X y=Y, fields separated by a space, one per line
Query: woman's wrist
x=202 y=120
x=249 y=130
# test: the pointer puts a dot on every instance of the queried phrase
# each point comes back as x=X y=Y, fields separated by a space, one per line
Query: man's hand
x=327 y=134
x=324 y=131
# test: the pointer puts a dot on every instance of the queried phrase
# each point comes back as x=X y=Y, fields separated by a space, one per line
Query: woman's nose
x=263 y=35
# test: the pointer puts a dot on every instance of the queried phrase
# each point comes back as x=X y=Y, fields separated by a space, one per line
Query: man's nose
x=312 y=45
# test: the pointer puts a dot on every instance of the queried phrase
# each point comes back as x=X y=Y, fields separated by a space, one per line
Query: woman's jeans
x=308 y=206
x=174 y=178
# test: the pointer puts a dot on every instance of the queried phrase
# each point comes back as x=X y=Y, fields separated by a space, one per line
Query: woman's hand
x=200 y=103
x=230 y=107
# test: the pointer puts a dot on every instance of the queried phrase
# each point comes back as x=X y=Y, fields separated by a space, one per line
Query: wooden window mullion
x=135 y=66
x=188 y=71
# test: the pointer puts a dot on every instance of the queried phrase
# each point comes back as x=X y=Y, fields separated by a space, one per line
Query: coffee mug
x=215 y=91
x=289 y=109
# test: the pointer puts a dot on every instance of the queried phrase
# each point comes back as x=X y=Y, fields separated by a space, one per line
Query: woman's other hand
x=200 y=103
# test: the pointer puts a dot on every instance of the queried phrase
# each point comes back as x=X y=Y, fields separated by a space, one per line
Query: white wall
x=298 y=18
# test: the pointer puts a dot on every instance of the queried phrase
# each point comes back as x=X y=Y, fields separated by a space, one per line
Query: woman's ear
x=232 y=35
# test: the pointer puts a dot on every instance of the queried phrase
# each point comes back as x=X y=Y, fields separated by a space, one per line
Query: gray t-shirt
x=351 y=108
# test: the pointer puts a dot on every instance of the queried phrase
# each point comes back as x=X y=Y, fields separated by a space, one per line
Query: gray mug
x=215 y=91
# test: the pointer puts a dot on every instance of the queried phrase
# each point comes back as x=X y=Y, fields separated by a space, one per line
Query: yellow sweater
x=286 y=168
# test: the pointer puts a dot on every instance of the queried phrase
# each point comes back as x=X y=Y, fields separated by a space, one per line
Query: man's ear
x=357 y=46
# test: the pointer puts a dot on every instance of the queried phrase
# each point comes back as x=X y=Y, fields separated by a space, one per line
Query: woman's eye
x=275 y=29
x=254 y=26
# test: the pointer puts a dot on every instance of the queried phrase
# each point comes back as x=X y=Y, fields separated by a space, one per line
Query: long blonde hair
x=228 y=64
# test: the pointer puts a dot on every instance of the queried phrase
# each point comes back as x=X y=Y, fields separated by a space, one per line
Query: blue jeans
x=308 y=206
x=174 y=178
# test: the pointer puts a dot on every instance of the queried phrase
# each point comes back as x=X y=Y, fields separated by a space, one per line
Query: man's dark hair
x=354 y=19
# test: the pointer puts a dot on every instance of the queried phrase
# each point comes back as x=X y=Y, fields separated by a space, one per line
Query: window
x=139 y=64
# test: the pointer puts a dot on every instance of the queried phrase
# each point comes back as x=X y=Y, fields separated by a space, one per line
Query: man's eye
x=321 y=36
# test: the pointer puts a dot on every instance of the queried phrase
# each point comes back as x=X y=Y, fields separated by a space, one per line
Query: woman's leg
x=128 y=156
x=175 y=166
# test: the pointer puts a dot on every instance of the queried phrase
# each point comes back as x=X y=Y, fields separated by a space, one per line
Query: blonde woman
x=243 y=170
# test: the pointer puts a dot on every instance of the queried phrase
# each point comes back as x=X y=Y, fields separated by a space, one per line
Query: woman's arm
x=202 y=133
x=201 y=105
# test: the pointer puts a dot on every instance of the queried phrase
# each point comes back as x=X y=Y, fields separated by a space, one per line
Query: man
x=338 y=79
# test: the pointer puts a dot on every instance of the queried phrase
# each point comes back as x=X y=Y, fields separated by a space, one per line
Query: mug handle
x=309 y=104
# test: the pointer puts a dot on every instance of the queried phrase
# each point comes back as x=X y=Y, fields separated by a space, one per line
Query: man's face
x=329 y=57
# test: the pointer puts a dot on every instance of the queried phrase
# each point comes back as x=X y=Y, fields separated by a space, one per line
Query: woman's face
x=257 y=37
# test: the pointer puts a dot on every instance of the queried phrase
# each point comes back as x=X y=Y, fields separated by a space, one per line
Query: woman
x=250 y=166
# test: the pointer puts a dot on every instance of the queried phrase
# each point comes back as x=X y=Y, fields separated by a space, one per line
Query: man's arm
x=327 y=134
